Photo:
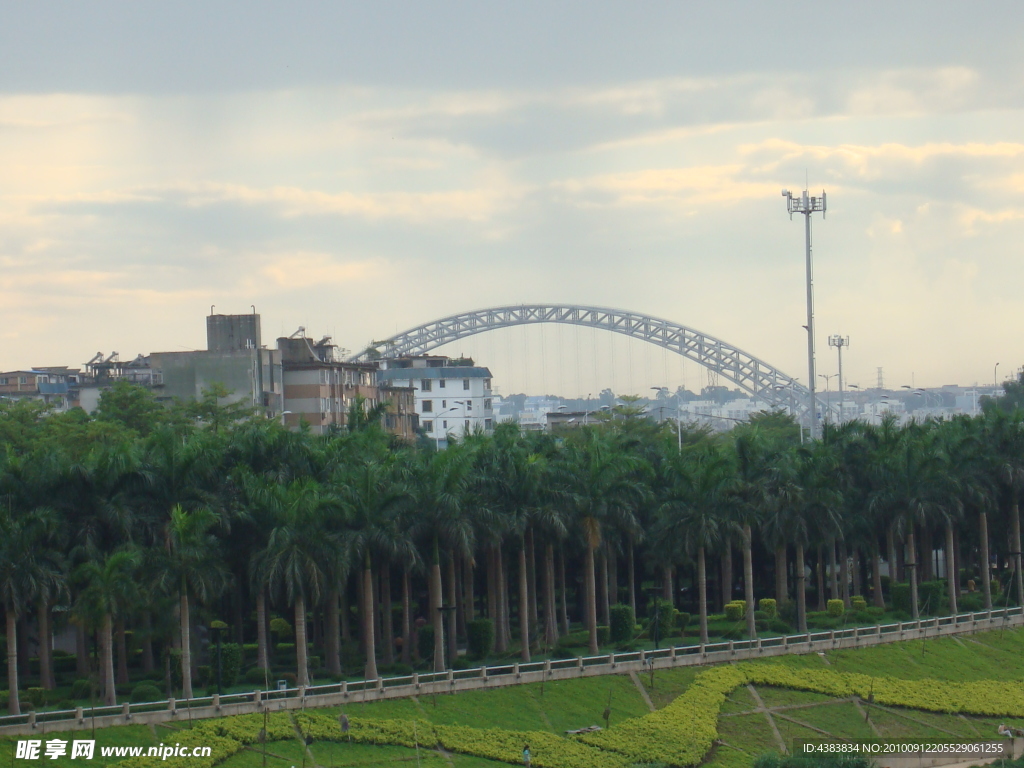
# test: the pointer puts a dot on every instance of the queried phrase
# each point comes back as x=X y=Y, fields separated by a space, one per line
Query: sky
x=361 y=168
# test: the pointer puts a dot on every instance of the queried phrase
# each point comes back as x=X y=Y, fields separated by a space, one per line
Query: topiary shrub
x=972 y=602
x=281 y=627
x=81 y=689
x=312 y=663
x=858 y=603
x=682 y=621
x=479 y=638
x=661 y=616
x=231 y=655
x=64 y=704
x=257 y=676
x=37 y=696
x=736 y=610
x=621 y=622
x=769 y=606
x=787 y=611
x=836 y=608
x=145 y=692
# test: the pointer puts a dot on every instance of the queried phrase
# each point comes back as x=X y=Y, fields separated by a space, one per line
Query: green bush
x=874 y=611
x=603 y=635
x=480 y=638
x=858 y=603
x=281 y=627
x=37 y=696
x=973 y=602
x=313 y=663
x=761 y=616
x=769 y=606
x=682 y=620
x=395 y=670
x=779 y=627
x=257 y=676
x=836 y=608
x=787 y=611
x=463 y=663
x=425 y=641
x=204 y=674
x=621 y=622
x=65 y=704
x=144 y=692
x=81 y=689
x=736 y=610
x=931 y=596
x=665 y=613
x=290 y=679
x=231 y=655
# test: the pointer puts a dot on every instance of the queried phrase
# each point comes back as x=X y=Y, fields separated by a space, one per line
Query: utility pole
x=839 y=342
x=808 y=205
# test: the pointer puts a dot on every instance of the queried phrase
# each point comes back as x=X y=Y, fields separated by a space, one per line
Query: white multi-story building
x=453 y=396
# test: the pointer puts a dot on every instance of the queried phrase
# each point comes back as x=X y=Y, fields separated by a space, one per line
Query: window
x=487 y=404
x=487 y=384
x=3 y=382
x=465 y=383
x=425 y=385
x=440 y=383
x=444 y=424
x=444 y=403
x=23 y=380
x=428 y=425
x=428 y=406
x=469 y=405
x=488 y=424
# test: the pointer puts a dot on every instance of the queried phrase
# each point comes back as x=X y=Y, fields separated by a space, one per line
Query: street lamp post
x=437 y=428
x=839 y=342
x=995 y=376
x=808 y=205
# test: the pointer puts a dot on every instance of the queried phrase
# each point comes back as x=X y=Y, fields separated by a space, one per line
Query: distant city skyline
x=361 y=169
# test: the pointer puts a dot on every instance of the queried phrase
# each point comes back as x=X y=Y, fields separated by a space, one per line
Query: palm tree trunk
x=524 y=603
x=406 y=618
x=890 y=553
x=1015 y=534
x=186 y=647
x=550 y=622
x=927 y=555
x=122 y=654
x=748 y=580
x=346 y=632
x=833 y=567
x=951 y=581
x=856 y=566
x=986 y=577
x=727 y=574
x=302 y=673
x=876 y=576
x=820 y=573
x=844 y=572
x=781 y=587
x=45 y=639
x=602 y=584
x=368 y=621
x=332 y=643
x=107 y=660
x=531 y=576
x=435 y=611
x=467 y=589
x=702 y=596
x=631 y=576
x=506 y=603
x=801 y=590
x=667 y=592
x=387 y=639
x=613 y=576
x=13 y=705
x=453 y=645
x=494 y=600
x=460 y=592
x=911 y=564
x=591 y=599
x=561 y=580
x=262 y=654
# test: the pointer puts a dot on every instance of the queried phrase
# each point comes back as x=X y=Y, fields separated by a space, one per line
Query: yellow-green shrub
x=836 y=608
x=736 y=610
x=858 y=603
x=769 y=606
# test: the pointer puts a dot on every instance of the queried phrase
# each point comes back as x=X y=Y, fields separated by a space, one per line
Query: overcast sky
x=361 y=168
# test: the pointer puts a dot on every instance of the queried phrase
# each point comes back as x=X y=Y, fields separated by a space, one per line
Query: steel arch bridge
x=752 y=375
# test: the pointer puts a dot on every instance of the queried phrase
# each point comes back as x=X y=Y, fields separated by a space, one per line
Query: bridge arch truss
x=751 y=374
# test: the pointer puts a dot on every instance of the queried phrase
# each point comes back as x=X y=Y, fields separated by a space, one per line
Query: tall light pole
x=808 y=205
x=839 y=342
x=995 y=376
x=828 y=400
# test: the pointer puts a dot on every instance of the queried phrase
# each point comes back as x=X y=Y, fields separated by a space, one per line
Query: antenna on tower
x=881 y=379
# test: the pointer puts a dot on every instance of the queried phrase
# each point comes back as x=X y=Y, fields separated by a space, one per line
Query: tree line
x=152 y=521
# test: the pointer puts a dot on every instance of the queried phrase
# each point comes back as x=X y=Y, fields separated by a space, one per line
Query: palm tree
x=192 y=565
x=372 y=493
x=1005 y=435
x=441 y=484
x=109 y=590
x=695 y=510
x=602 y=485
x=299 y=549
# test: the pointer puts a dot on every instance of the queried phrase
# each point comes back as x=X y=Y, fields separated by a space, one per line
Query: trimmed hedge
x=836 y=608
x=621 y=623
x=736 y=610
x=769 y=606
x=479 y=638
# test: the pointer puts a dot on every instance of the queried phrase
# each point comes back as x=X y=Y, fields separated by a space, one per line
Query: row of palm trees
x=131 y=522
